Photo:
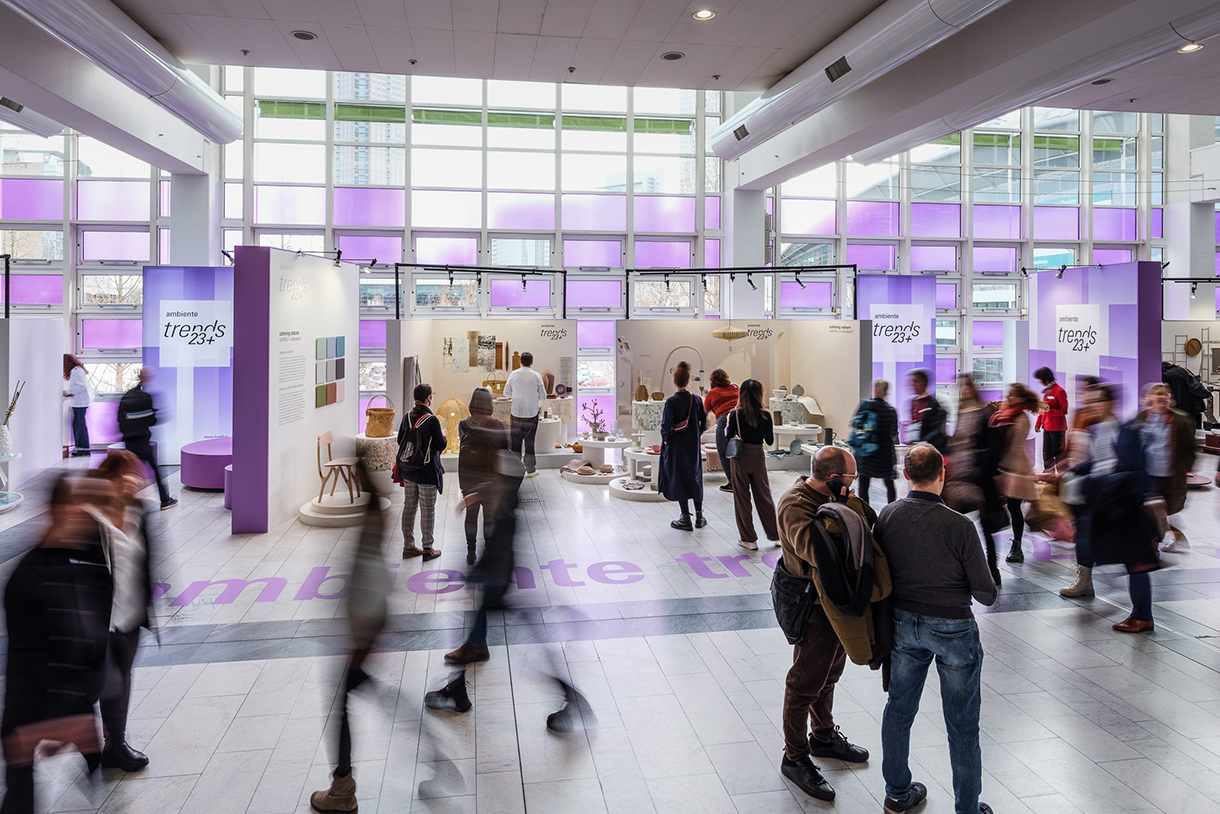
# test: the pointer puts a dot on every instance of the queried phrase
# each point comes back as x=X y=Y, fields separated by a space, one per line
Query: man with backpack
x=137 y=417
x=874 y=433
x=420 y=443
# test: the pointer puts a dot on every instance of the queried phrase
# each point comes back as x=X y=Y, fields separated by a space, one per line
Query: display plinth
x=338 y=510
x=204 y=462
x=378 y=455
x=803 y=432
x=8 y=499
x=596 y=479
x=618 y=488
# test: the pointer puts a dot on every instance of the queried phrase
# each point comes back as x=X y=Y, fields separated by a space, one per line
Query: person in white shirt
x=527 y=391
x=78 y=395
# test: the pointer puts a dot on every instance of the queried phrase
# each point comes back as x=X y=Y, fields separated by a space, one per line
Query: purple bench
x=204 y=462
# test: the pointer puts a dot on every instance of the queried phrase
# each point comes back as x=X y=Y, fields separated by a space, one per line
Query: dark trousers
x=1018 y=519
x=19 y=797
x=722 y=445
x=522 y=435
x=80 y=430
x=1052 y=446
x=817 y=663
x=143 y=450
x=1139 y=585
x=116 y=694
x=352 y=679
x=750 y=477
x=863 y=481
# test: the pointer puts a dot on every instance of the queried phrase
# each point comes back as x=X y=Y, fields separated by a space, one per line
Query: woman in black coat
x=881 y=463
x=680 y=475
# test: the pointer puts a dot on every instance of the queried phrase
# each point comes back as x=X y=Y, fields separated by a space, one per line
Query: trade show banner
x=903 y=314
x=188 y=343
x=295 y=377
x=1102 y=321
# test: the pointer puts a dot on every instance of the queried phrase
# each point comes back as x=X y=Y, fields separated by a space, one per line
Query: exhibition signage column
x=188 y=344
x=294 y=378
x=1102 y=321
x=903 y=314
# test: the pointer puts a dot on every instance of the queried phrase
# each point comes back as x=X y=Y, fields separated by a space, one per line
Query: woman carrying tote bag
x=749 y=427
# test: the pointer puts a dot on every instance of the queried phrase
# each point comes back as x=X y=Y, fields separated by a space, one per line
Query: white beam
x=47 y=76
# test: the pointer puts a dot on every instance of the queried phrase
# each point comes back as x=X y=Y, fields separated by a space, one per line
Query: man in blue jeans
x=937 y=565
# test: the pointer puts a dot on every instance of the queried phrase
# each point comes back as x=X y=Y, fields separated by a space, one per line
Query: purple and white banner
x=188 y=343
x=903 y=314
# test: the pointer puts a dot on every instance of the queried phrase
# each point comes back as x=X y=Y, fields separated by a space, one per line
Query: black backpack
x=416 y=450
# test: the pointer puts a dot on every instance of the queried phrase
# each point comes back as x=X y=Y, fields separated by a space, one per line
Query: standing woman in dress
x=1016 y=478
x=680 y=475
x=78 y=395
x=753 y=425
x=720 y=401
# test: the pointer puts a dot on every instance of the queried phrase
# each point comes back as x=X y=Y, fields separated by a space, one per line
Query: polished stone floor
x=670 y=636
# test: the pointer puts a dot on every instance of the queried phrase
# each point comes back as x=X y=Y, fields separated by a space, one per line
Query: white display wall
x=34 y=355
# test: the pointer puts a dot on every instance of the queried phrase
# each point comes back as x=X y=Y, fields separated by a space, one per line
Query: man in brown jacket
x=818 y=660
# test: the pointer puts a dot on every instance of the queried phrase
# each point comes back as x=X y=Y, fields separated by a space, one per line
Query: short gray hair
x=923 y=463
x=828 y=462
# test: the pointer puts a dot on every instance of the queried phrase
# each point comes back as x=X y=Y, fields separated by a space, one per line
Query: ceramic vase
x=6 y=441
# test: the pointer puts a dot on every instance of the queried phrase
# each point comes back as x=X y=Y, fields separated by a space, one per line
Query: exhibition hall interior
x=362 y=360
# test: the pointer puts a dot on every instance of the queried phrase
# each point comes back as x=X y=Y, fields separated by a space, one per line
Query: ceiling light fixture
x=672 y=56
x=1190 y=48
x=305 y=36
x=704 y=14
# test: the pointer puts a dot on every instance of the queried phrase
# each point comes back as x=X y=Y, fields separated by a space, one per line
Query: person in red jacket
x=720 y=401
x=1052 y=422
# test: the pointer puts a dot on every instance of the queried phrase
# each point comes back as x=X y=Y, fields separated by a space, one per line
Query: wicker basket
x=496 y=386
x=380 y=419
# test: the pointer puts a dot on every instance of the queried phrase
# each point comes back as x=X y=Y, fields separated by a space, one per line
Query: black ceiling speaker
x=11 y=105
x=837 y=69
x=741 y=132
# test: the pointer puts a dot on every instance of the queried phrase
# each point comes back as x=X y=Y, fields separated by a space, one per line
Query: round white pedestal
x=338 y=511
x=619 y=489
x=596 y=479
x=550 y=433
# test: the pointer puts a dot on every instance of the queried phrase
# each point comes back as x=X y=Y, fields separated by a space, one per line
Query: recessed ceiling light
x=1190 y=48
x=307 y=36
x=1101 y=81
x=672 y=55
x=704 y=14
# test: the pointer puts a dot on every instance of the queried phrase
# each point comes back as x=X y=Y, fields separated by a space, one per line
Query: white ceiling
x=750 y=44
x=1174 y=83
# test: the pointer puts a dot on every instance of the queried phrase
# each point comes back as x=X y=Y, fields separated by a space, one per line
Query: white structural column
x=1190 y=228
x=746 y=213
x=194 y=208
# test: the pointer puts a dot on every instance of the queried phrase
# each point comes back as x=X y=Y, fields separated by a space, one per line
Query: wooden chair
x=338 y=468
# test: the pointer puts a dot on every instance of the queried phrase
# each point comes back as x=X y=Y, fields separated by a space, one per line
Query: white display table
x=609 y=443
x=8 y=499
x=636 y=461
x=597 y=478
x=795 y=432
x=550 y=433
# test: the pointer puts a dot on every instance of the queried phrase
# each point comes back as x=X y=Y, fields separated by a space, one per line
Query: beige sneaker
x=340 y=798
x=1082 y=586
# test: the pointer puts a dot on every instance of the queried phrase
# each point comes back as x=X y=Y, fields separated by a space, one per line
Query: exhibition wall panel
x=832 y=360
x=903 y=312
x=294 y=377
x=34 y=356
x=188 y=343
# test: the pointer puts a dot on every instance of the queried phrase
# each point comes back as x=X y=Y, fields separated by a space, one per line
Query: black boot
x=1015 y=554
x=470 y=558
x=699 y=521
x=452 y=696
x=574 y=705
x=683 y=523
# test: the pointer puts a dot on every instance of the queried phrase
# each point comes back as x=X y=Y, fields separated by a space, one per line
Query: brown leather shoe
x=468 y=654
x=1130 y=625
x=409 y=551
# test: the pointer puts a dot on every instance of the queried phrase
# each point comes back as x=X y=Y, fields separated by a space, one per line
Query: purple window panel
x=1113 y=224
x=594 y=213
x=447 y=251
x=813 y=295
x=998 y=222
x=1056 y=223
x=936 y=220
x=802 y=217
x=1158 y=222
x=594 y=294
x=871 y=257
x=112 y=200
x=36 y=289
x=1218 y=298
x=233 y=201
x=1218 y=226
x=991 y=395
x=163 y=199
x=711 y=253
x=995 y=258
x=102 y=419
x=1218 y=263
x=445 y=209
x=372 y=333
x=290 y=206
x=115 y=246
x=770 y=205
x=112 y=333
x=163 y=245
x=370 y=206
x=711 y=212
x=32 y=198
x=662 y=254
x=946 y=370
x=872 y=218
x=585 y=405
x=933 y=258
x=987 y=332
x=1108 y=257
x=946 y=297
x=520 y=210
x=362 y=406
x=385 y=248
x=595 y=253
x=509 y=293
x=664 y=214
x=595 y=334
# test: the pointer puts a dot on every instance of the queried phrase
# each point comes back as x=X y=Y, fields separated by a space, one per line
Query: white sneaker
x=533 y=474
x=748 y=546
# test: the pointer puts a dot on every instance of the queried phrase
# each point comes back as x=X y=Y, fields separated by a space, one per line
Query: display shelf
x=596 y=479
x=8 y=500
x=646 y=495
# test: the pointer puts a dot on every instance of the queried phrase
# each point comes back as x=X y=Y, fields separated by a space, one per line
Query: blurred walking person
x=367 y=602
x=57 y=610
x=720 y=401
x=752 y=426
x=79 y=396
x=1016 y=475
x=137 y=417
x=962 y=491
x=481 y=437
x=874 y=434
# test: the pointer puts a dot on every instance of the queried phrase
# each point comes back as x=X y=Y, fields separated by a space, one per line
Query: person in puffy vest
x=882 y=436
